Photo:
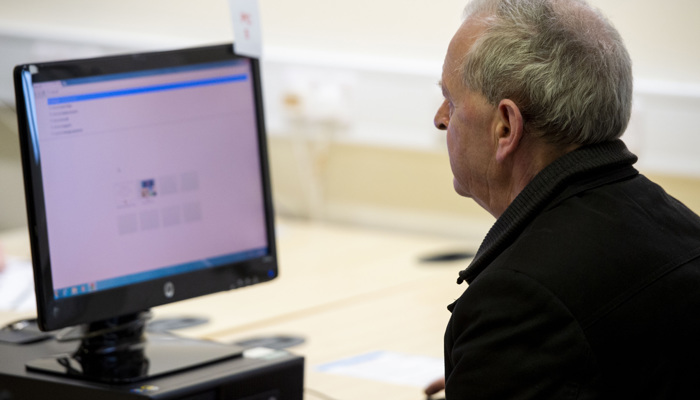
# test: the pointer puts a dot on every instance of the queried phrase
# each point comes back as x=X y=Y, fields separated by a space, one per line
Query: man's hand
x=435 y=387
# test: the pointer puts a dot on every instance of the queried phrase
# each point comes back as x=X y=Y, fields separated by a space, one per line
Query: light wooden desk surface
x=348 y=291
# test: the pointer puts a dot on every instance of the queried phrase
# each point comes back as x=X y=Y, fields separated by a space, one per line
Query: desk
x=348 y=291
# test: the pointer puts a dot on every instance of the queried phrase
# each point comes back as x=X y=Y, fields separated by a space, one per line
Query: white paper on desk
x=245 y=16
x=390 y=367
x=17 y=286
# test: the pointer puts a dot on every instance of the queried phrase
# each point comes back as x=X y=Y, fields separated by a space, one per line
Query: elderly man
x=588 y=284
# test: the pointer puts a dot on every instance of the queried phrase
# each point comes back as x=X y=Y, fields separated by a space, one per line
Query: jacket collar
x=579 y=170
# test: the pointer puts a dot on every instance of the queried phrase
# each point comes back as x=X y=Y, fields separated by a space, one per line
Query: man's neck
x=531 y=158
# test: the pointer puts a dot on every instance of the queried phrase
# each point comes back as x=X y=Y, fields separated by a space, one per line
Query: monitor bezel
x=55 y=313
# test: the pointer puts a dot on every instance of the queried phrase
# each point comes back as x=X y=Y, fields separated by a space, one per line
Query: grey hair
x=561 y=61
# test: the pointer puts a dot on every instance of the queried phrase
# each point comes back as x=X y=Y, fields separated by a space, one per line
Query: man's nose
x=441 y=117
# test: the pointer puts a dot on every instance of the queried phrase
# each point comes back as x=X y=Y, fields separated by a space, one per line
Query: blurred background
x=350 y=91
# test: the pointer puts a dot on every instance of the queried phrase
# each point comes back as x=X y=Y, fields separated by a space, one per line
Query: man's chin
x=460 y=190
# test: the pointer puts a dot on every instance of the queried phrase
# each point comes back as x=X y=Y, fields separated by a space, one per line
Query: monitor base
x=256 y=375
x=161 y=354
x=118 y=350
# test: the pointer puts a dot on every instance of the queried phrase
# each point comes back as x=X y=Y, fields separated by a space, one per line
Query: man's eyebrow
x=442 y=87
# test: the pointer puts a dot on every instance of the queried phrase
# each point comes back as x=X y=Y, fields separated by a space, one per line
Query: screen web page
x=148 y=174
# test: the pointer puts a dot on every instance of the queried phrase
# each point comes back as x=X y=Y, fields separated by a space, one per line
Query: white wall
x=364 y=71
x=659 y=35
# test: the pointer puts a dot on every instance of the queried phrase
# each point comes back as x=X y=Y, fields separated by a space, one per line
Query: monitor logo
x=169 y=290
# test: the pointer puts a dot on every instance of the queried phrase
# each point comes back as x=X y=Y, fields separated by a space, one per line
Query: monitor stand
x=119 y=350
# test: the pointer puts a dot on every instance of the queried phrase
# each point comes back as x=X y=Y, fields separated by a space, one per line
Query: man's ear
x=509 y=129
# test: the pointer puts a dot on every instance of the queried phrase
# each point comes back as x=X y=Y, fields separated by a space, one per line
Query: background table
x=346 y=290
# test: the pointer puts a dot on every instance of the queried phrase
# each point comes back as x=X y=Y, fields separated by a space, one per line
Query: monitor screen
x=146 y=180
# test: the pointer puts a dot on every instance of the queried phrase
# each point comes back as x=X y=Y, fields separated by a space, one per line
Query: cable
x=10 y=107
x=318 y=394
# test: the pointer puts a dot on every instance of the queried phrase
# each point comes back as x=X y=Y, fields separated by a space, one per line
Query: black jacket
x=587 y=287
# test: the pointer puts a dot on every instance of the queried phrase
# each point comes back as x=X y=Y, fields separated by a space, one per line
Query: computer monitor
x=146 y=182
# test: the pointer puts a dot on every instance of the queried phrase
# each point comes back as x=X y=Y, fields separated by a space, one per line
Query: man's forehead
x=470 y=30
